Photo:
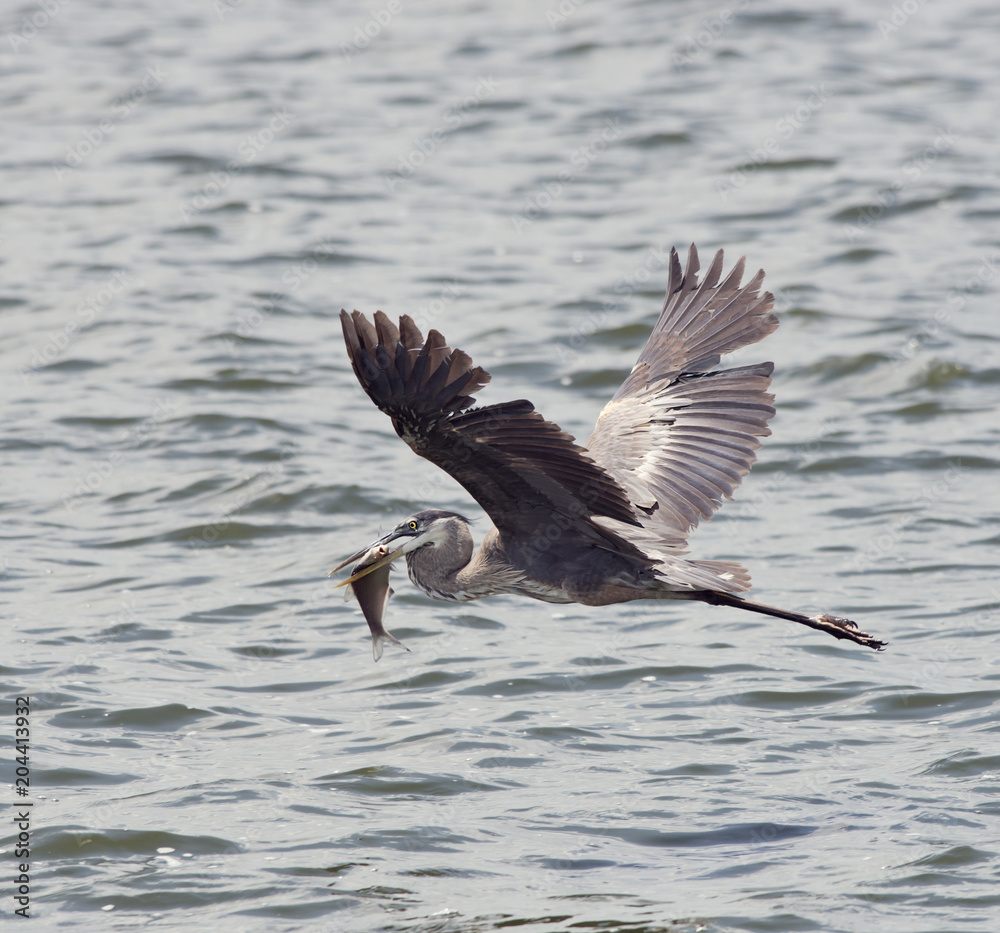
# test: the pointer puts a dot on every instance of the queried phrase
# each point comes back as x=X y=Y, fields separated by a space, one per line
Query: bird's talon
x=838 y=621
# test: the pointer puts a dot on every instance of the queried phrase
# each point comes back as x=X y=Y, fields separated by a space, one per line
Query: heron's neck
x=446 y=569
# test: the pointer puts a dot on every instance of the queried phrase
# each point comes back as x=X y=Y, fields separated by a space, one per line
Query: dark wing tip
x=513 y=461
x=403 y=373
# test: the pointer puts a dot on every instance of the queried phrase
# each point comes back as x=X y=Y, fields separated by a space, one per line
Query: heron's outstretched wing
x=526 y=472
x=677 y=438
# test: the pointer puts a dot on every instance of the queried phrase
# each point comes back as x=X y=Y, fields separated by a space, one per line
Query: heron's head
x=428 y=528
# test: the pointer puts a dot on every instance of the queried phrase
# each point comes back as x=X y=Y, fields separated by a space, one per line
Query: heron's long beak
x=380 y=560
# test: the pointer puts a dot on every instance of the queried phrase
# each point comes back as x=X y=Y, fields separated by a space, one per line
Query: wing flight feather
x=677 y=438
x=527 y=473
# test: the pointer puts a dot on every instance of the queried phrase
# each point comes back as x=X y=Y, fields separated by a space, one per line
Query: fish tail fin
x=380 y=638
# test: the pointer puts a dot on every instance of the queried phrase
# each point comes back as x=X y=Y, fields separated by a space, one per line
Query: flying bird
x=603 y=523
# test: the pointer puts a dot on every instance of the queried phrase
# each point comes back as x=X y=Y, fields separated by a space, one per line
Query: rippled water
x=191 y=194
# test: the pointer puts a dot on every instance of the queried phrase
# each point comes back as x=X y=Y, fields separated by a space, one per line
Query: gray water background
x=191 y=193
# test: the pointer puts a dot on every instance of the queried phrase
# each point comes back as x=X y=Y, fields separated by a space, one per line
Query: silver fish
x=372 y=592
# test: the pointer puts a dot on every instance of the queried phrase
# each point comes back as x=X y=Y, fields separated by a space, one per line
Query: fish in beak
x=369 y=583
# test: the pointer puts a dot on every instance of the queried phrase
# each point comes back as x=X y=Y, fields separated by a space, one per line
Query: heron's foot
x=839 y=627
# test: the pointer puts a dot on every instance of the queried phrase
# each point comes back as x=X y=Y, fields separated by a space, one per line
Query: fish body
x=372 y=591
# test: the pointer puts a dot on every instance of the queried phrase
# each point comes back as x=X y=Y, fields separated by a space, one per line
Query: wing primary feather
x=526 y=472
x=678 y=437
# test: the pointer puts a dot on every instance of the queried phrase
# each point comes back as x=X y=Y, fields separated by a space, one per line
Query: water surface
x=191 y=195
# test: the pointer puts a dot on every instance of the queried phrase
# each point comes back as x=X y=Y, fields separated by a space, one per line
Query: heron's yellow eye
x=412 y=526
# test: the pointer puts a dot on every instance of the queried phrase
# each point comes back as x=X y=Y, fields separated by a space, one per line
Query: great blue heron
x=606 y=523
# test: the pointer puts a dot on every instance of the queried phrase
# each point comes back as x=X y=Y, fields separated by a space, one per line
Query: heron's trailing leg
x=833 y=625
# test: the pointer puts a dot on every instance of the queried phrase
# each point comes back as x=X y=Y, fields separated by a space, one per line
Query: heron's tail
x=679 y=575
x=729 y=575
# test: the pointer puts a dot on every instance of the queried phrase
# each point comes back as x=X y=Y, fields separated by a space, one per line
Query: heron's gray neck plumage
x=442 y=570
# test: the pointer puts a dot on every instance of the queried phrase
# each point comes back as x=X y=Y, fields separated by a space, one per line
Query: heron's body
x=457 y=572
x=600 y=524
